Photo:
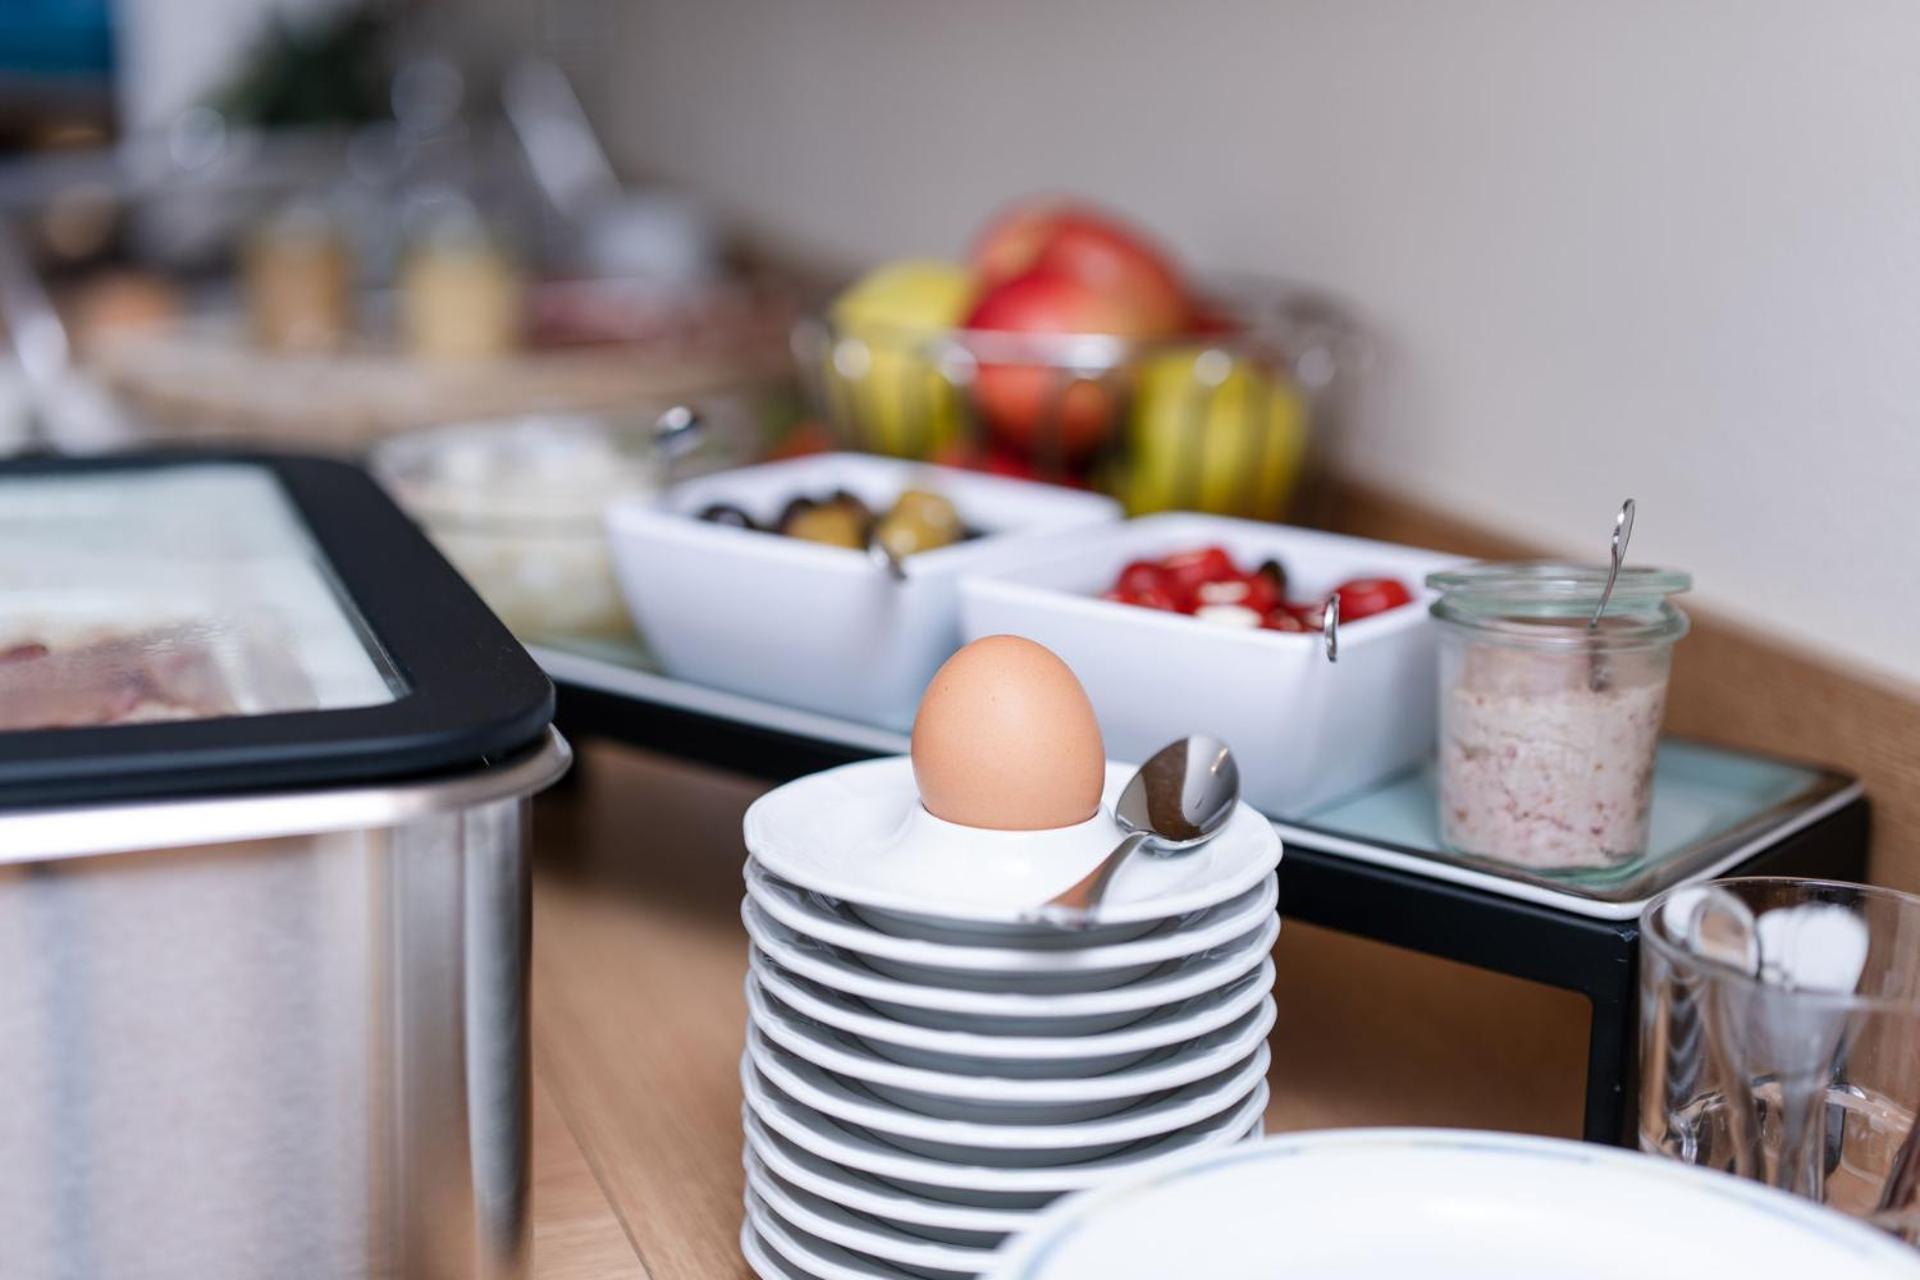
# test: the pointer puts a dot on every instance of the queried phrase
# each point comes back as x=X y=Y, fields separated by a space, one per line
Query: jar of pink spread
x=1548 y=728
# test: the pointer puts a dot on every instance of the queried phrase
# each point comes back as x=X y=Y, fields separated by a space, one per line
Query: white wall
x=1663 y=249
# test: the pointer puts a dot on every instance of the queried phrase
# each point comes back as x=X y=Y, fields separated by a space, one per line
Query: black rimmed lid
x=194 y=624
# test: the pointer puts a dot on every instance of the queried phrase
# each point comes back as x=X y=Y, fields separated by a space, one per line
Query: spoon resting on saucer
x=1180 y=799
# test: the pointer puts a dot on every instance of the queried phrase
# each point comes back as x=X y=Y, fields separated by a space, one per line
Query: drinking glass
x=1813 y=1091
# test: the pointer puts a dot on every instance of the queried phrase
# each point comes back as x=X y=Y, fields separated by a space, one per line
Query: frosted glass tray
x=1713 y=808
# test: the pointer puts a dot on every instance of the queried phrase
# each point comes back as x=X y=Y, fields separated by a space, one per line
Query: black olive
x=728 y=514
x=792 y=509
x=1275 y=572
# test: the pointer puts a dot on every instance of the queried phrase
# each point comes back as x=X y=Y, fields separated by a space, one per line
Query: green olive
x=919 y=521
x=837 y=524
x=931 y=509
x=904 y=535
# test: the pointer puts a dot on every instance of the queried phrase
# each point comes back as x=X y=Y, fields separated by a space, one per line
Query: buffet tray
x=1367 y=866
x=1715 y=808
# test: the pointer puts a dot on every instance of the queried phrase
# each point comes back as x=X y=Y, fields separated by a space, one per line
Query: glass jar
x=1548 y=728
x=298 y=272
x=519 y=507
x=461 y=295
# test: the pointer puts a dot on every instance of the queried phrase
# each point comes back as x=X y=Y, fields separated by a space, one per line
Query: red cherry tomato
x=1141 y=575
x=1155 y=598
x=1146 y=598
x=1250 y=591
x=1220 y=591
x=1188 y=571
x=1262 y=595
x=1284 y=619
x=1364 y=597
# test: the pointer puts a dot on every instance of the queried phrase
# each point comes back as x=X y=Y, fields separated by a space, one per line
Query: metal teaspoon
x=1180 y=799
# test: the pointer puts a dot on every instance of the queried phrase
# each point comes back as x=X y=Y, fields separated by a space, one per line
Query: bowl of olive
x=827 y=582
x=918 y=521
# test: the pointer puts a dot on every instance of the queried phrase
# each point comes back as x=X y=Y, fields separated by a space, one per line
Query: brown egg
x=1006 y=739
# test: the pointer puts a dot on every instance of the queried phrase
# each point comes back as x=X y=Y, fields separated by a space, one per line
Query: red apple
x=1030 y=407
x=1004 y=462
x=1210 y=320
x=802 y=439
x=1067 y=238
x=1012 y=242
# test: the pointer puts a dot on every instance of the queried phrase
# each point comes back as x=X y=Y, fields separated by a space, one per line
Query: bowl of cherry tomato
x=1206 y=583
x=1181 y=622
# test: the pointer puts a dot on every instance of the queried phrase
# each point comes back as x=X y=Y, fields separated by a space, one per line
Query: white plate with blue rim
x=1018 y=1012
x=859 y=834
x=980 y=1227
x=985 y=1185
x=990 y=968
x=1033 y=1056
x=1384 y=1204
x=992 y=1099
x=1011 y=1145
x=828 y=1258
x=800 y=1253
x=766 y=1264
x=824 y=1220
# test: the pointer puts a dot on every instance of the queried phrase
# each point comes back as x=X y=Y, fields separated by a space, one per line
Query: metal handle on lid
x=1330 y=626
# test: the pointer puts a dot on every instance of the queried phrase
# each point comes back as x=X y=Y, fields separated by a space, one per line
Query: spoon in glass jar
x=1597 y=677
x=1622 y=531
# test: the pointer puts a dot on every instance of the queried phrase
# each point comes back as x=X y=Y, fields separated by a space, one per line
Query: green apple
x=1212 y=432
x=879 y=382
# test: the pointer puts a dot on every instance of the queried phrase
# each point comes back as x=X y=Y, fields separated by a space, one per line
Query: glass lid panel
x=179 y=593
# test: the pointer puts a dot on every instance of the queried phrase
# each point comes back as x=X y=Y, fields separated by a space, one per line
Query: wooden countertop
x=638 y=959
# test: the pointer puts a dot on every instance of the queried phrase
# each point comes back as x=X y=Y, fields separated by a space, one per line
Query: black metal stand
x=1596 y=958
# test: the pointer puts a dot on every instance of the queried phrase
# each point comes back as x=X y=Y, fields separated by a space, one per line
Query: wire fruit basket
x=1229 y=418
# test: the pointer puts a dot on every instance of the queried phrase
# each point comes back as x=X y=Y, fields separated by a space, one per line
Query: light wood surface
x=577 y=1235
x=639 y=956
x=638 y=1019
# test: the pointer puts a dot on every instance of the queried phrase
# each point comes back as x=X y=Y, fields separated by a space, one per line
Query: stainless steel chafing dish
x=265 y=764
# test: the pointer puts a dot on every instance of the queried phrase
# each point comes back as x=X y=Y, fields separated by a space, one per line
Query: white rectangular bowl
x=810 y=625
x=1304 y=730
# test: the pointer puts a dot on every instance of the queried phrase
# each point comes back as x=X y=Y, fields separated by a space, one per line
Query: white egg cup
x=859 y=834
x=1007 y=870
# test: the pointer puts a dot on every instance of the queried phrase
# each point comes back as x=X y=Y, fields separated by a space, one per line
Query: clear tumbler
x=1810 y=1090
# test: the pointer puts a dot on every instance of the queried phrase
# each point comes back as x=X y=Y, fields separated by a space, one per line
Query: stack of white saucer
x=923 y=1075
